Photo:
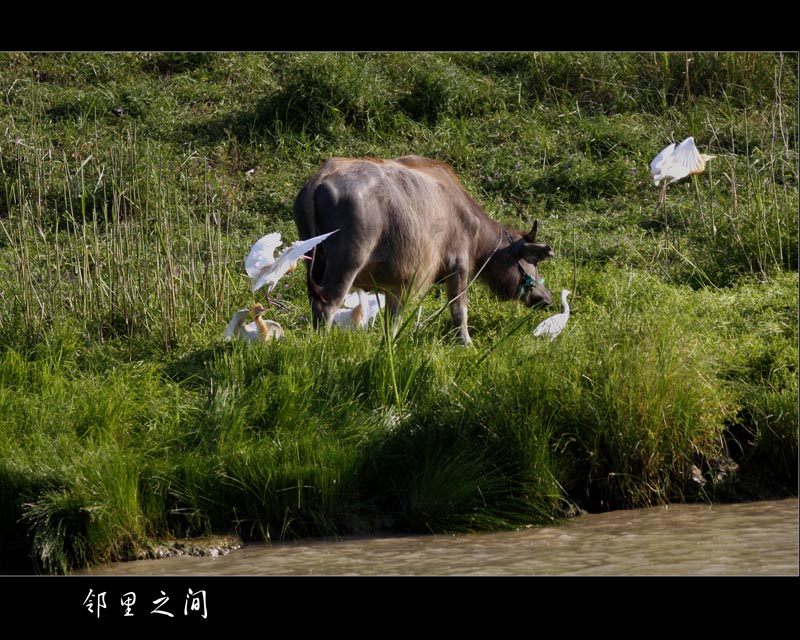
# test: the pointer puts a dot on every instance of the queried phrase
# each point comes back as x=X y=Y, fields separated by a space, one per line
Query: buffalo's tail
x=306 y=227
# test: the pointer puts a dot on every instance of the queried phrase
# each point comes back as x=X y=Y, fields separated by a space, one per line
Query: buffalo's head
x=528 y=254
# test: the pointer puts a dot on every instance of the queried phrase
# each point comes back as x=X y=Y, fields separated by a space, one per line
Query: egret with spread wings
x=265 y=269
x=674 y=163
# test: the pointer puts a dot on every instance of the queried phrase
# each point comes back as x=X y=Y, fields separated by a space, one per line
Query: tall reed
x=117 y=247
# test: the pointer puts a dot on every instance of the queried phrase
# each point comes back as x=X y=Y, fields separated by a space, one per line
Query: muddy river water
x=755 y=538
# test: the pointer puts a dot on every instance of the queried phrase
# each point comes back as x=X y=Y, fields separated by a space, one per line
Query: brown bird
x=259 y=330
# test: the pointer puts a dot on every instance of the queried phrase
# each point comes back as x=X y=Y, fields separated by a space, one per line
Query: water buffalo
x=405 y=224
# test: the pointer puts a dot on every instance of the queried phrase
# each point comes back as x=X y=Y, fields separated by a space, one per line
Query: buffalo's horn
x=531 y=235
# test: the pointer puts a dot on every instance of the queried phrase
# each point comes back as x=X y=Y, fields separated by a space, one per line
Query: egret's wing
x=274 y=272
x=301 y=247
x=660 y=161
x=233 y=326
x=271 y=274
x=375 y=302
x=262 y=254
x=285 y=261
x=351 y=300
x=686 y=159
x=687 y=143
x=543 y=328
x=551 y=326
x=250 y=332
x=342 y=317
x=275 y=330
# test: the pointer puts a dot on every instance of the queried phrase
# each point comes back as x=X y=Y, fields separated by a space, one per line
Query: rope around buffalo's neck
x=528 y=281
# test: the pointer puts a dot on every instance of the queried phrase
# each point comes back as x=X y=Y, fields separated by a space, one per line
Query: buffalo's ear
x=531 y=235
x=536 y=252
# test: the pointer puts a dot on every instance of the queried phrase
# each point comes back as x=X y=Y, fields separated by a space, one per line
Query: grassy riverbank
x=132 y=186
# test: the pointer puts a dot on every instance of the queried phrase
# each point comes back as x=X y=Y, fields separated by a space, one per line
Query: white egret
x=265 y=269
x=259 y=330
x=359 y=310
x=675 y=163
x=553 y=325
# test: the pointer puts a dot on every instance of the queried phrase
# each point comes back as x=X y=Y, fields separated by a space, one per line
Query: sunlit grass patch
x=133 y=185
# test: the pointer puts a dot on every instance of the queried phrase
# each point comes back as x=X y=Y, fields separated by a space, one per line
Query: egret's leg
x=662 y=195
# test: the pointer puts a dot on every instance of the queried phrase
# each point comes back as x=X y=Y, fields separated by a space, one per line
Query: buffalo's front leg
x=457 y=295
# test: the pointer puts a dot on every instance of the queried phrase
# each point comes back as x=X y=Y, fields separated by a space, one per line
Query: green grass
x=133 y=185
